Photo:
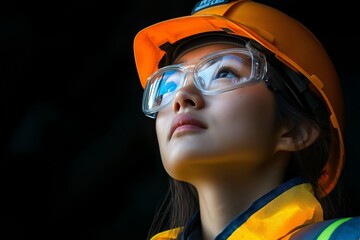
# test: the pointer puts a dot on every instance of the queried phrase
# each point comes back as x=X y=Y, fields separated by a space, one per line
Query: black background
x=80 y=160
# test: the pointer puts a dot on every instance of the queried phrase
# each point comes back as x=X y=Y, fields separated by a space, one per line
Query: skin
x=232 y=154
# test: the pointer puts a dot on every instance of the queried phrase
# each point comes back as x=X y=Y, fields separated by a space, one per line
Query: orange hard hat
x=291 y=42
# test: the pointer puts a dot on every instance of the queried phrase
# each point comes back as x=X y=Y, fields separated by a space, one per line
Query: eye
x=232 y=69
x=225 y=72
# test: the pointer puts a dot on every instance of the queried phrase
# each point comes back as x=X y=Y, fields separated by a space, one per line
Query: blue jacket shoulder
x=334 y=229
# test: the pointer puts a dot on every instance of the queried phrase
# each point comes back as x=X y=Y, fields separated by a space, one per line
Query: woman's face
x=201 y=134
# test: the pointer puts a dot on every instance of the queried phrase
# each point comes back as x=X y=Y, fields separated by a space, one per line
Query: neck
x=224 y=198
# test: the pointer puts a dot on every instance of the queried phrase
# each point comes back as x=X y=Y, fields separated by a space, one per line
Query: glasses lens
x=161 y=88
x=219 y=72
x=224 y=72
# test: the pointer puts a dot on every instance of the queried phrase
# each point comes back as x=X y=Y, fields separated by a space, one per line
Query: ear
x=308 y=133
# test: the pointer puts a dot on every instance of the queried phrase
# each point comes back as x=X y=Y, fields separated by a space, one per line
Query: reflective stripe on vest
x=329 y=230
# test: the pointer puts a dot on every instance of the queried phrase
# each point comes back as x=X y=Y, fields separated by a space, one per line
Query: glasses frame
x=259 y=63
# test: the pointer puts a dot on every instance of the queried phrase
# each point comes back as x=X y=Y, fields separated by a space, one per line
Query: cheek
x=249 y=118
x=162 y=125
x=170 y=156
x=160 y=129
x=257 y=107
x=257 y=112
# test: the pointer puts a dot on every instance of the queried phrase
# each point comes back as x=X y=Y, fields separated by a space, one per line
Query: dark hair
x=310 y=161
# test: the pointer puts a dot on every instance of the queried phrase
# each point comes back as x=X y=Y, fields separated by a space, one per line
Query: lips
x=186 y=122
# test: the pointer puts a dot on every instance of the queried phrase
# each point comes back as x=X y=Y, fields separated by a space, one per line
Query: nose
x=189 y=96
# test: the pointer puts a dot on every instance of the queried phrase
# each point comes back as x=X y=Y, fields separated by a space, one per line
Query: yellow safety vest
x=276 y=217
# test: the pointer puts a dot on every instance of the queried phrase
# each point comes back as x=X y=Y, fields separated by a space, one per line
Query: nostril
x=190 y=102
x=176 y=106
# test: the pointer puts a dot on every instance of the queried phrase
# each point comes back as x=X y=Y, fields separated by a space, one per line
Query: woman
x=249 y=120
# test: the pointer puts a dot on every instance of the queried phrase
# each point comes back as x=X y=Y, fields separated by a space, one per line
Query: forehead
x=195 y=54
x=176 y=50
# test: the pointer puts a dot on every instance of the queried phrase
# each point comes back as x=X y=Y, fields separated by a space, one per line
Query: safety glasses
x=216 y=73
